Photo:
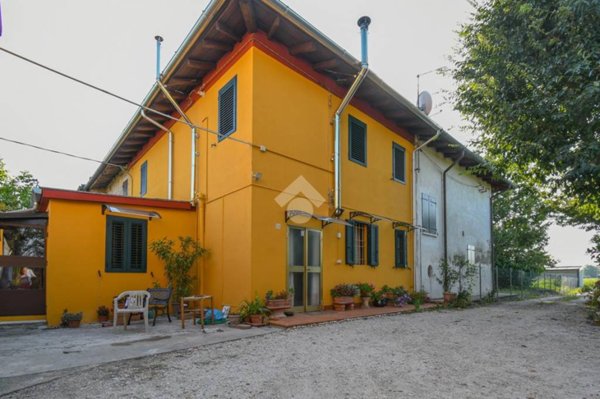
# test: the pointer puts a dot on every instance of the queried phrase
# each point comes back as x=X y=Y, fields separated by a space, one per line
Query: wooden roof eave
x=211 y=11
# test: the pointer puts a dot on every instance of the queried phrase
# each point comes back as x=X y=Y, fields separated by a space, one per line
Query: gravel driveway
x=526 y=349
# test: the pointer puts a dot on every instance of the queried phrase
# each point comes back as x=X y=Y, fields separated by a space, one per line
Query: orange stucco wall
x=292 y=118
x=76 y=278
x=237 y=217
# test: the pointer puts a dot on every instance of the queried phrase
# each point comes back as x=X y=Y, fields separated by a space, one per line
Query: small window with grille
x=228 y=109
x=126 y=244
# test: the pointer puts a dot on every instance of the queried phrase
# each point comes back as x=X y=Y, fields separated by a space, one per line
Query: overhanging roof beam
x=216 y=45
x=227 y=31
x=199 y=64
x=274 y=27
x=248 y=14
x=302 y=48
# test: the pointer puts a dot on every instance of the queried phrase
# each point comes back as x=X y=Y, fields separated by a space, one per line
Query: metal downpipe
x=363 y=22
x=170 y=153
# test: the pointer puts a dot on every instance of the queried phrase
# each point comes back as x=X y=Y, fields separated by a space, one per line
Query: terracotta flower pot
x=277 y=306
x=365 y=302
x=102 y=319
x=341 y=303
x=449 y=297
x=73 y=323
x=256 y=319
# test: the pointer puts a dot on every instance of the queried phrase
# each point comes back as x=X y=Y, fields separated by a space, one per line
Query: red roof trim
x=209 y=80
x=70 y=195
x=280 y=53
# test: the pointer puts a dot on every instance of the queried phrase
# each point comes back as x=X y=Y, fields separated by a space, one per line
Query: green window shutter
x=115 y=245
x=126 y=245
x=398 y=163
x=350 y=259
x=137 y=245
x=373 y=246
x=357 y=141
x=228 y=109
x=400 y=248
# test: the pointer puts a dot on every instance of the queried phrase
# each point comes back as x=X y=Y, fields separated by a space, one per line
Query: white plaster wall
x=468 y=208
x=116 y=185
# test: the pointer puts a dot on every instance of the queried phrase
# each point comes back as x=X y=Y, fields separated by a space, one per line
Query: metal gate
x=23 y=263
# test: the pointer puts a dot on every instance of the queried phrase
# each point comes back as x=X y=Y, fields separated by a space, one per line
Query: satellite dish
x=425 y=102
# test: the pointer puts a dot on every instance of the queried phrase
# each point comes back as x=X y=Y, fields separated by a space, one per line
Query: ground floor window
x=400 y=248
x=126 y=244
x=362 y=243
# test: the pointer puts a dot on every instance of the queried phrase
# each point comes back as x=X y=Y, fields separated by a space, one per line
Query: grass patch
x=568 y=298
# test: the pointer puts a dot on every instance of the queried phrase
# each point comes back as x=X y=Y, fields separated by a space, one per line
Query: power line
x=60 y=152
x=126 y=100
x=64 y=75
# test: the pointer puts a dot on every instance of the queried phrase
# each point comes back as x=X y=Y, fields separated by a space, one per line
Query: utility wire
x=127 y=101
x=87 y=84
x=60 y=152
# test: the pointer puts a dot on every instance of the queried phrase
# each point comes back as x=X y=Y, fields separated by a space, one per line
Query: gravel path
x=512 y=350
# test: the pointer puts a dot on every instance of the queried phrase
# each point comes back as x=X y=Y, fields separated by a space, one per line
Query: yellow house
x=239 y=147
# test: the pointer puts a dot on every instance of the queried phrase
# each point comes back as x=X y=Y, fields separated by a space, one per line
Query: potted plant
x=365 y=290
x=460 y=271
x=278 y=302
x=233 y=319
x=178 y=263
x=418 y=298
x=71 y=320
x=253 y=312
x=378 y=298
x=103 y=313
x=343 y=296
x=447 y=279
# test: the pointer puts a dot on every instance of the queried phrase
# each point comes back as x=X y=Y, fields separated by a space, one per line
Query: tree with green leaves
x=528 y=77
x=178 y=262
x=15 y=192
x=521 y=231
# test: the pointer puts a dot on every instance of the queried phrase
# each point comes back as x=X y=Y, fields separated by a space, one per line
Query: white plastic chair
x=136 y=302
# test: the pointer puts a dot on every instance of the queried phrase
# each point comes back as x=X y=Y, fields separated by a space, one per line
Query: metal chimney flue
x=363 y=23
x=159 y=40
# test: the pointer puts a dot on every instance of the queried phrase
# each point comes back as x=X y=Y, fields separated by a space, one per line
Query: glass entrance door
x=304 y=268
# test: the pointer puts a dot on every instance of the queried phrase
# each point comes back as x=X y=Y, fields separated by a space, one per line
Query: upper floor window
x=398 y=163
x=125 y=187
x=362 y=244
x=429 y=213
x=126 y=244
x=144 y=179
x=357 y=141
x=228 y=109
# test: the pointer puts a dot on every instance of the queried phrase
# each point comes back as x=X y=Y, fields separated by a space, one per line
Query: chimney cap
x=364 y=22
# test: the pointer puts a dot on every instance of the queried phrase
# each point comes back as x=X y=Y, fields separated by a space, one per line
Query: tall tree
x=528 y=74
